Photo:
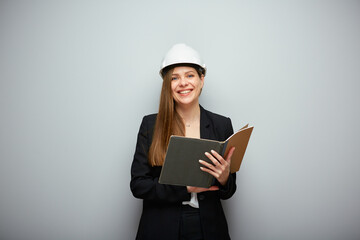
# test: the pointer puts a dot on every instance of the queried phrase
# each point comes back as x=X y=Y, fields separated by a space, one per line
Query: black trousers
x=190 y=225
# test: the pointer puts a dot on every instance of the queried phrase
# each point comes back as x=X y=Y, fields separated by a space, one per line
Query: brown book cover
x=181 y=166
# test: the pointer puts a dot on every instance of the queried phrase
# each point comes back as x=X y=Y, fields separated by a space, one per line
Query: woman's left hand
x=220 y=168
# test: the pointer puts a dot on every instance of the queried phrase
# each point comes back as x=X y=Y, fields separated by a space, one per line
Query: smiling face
x=186 y=85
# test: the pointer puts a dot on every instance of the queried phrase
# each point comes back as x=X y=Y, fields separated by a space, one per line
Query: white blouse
x=193 y=201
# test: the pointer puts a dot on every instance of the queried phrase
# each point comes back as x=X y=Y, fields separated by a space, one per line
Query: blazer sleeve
x=229 y=189
x=144 y=179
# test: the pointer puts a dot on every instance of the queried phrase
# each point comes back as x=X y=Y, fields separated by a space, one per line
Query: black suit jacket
x=161 y=214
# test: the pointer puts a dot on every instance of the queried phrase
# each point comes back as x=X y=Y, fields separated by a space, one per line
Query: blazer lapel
x=205 y=129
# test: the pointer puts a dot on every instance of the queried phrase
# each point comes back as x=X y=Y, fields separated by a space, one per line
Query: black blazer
x=161 y=214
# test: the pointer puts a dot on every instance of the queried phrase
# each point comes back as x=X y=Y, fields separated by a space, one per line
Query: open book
x=181 y=166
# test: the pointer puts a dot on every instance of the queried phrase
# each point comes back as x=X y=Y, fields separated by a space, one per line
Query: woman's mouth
x=184 y=91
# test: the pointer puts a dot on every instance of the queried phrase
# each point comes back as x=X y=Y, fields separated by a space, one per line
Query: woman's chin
x=185 y=103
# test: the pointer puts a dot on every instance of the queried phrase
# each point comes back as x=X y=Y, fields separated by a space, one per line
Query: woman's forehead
x=183 y=69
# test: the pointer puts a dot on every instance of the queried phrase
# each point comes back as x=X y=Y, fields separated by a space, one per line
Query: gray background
x=77 y=77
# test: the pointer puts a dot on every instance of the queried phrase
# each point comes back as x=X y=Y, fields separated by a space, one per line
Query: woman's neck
x=189 y=114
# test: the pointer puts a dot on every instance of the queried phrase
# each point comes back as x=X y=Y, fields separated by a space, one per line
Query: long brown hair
x=168 y=122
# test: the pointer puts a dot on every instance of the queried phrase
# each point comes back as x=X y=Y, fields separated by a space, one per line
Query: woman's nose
x=183 y=81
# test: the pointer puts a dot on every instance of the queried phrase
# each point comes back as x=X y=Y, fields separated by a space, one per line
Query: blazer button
x=201 y=197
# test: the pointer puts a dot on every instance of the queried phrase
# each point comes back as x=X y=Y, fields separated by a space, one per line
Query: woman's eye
x=174 y=78
x=190 y=75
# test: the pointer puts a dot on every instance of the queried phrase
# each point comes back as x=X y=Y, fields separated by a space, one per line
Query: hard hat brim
x=164 y=70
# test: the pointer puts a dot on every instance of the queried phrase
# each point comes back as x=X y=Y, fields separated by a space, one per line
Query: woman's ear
x=202 y=78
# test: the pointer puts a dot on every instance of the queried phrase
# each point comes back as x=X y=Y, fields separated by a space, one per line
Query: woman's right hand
x=191 y=189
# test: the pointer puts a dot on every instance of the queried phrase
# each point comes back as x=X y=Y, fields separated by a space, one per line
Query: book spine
x=223 y=148
x=220 y=149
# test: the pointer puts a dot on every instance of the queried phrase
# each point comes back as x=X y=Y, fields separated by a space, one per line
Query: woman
x=176 y=212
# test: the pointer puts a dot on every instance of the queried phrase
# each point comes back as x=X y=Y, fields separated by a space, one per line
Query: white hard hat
x=181 y=53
